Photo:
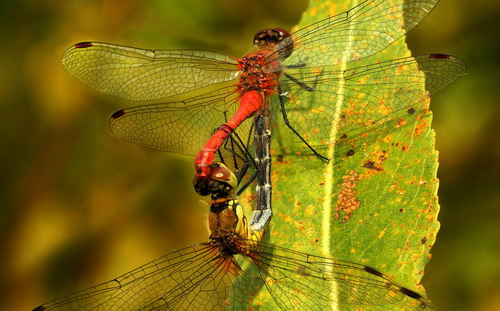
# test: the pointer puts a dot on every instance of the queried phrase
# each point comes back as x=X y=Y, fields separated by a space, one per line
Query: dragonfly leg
x=263 y=211
x=260 y=219
x=306 y=87
x=298 y=65
x=285 y=119
x=245 y=186
x=298 y=82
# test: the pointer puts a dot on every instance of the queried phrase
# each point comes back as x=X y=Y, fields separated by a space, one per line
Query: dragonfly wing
x=192 y=278
x=298 y=280
x=179 y=127
x=362 y=31
x=146 y=75
x=358 y=98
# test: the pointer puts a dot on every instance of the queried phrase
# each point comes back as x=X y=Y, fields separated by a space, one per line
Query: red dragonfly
x=295 y=70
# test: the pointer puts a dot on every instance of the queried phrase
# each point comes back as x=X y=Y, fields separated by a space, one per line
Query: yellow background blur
x=79 y=207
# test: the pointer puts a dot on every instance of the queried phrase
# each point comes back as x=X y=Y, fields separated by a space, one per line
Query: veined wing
x=192 y=278
x=179 y=127
x=145 y=75
x=359 y=32
x=362 y=97
x=299 y=281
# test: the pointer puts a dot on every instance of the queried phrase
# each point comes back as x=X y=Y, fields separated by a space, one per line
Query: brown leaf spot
x=369 y=164
x=375 y=161
x=421 y=127
x=346 y=200
x=401 y=122
x=301 y=226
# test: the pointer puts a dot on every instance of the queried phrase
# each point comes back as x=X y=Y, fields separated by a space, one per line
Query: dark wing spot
x=40 y=308
x=411 y=111
x=118 y=114
x=424 y=240
x=350 y=153
x=83 y=45
x=410 y=293
x=373 y=271
x=439 y=56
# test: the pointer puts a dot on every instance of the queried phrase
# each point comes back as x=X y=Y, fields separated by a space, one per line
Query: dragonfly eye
x=269 y=38
x=222 y=174
x=220 y=183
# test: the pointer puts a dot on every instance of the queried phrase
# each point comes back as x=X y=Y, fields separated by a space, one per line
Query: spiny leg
x=287 y=123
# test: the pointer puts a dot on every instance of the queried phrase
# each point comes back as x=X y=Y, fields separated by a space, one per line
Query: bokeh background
x=78 y=206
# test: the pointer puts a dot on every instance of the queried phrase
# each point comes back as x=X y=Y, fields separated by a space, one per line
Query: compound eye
x=260 y=38
x=275 y=38
x=270 y=36
x=281 y=33
x=220 y=173
x=284 y=42
x=259 y=35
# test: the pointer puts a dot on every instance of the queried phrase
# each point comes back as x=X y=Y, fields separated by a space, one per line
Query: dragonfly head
x=275 y=38
x=220 y=184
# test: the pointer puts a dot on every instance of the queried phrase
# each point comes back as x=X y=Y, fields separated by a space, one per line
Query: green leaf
x=386 y=175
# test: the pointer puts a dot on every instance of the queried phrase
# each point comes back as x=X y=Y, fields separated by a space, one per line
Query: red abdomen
x=250 y=103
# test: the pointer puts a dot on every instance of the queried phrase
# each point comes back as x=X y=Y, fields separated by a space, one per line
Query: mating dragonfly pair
x=295 y=74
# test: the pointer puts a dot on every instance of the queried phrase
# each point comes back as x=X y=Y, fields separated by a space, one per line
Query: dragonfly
x=221 y=274
x=280 y=61
x=293 y=73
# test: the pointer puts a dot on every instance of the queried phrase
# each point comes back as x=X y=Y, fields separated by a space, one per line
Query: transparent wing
x=200 y=278
x=179 y=127
x=299 y=281
x=344 y=101
x=192 y=278
x=359 y=32
x=145 y=75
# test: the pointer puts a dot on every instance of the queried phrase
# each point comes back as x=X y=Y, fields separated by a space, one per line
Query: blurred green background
x=79 y=207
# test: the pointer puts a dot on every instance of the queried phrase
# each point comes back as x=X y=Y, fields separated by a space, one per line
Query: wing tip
x=452 y=58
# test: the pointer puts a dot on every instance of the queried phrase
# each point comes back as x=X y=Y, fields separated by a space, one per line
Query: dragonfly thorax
x=227 y=220
x=259 y=72
x=230 y=231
